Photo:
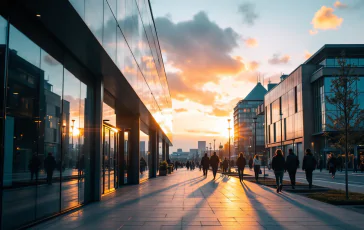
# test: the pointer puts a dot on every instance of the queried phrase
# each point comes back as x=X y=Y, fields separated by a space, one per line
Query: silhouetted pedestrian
x=143 y=164
x=205 y=162
x=332 y=165
x=250 y=163
x=309 y=164
x=34 y=165
x=278 y=166
x=225 y=165
x=355 y=164
x=214 y=162
x=292 y=164
x=49 y=165
x=188 y=165
x=241 y=162
x=320 y=164
x=256 y=164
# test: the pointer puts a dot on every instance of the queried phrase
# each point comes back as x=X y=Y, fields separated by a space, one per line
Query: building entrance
x=110 y=158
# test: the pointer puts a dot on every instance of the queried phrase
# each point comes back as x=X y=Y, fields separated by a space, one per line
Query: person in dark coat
x=355 y=165
x=250 y=163
x=332 y=165
x=34 y=165
x=278 y=166
x=49 y=165
x=143 y=165
x=225 y=165
x=205 y=163
x=188 y=165
x=214 y=162
x=339 y=163
x=241 y=162
x=309 y=165
x=321 y=164
x=292 y=164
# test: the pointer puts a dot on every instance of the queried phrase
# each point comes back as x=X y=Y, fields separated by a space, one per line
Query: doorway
x=110 y=158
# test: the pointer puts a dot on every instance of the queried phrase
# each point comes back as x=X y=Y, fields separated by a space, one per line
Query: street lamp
x=210 y=149
x=229 y=145
x=214 y=144
x=281 y=116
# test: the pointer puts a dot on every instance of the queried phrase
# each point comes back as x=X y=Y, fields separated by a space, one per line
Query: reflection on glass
x=144 y=156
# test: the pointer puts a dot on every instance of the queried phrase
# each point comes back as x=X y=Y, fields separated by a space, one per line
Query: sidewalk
x=187 y=200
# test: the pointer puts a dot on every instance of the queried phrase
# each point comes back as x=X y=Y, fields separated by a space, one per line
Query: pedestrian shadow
x=317 y=213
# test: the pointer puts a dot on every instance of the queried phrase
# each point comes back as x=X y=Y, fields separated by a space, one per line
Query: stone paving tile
x=186 y=200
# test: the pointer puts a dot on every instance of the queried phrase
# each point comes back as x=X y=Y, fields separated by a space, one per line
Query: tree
x=346 y=121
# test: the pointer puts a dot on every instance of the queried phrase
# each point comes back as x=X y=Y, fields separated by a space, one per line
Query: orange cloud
x=307 y=54
x=202 y=131
x=205 y=57
x=251 y=42
x=181 y=110
x=340 y=5
x=253 y=65
x=313 y=32
x=325 y=19
x=277 y=59
x=219 y=112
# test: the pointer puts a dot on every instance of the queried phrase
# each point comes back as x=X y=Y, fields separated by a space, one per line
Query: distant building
x=244 y=112
x=180 y=156
x=201 y=147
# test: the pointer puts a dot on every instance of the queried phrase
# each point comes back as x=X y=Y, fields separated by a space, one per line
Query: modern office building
x=180 y=156
x=201 y=145
x=296 y=110
x=244 y=127
x=81 y=81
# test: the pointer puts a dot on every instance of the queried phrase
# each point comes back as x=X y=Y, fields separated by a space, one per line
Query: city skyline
x=245 y=52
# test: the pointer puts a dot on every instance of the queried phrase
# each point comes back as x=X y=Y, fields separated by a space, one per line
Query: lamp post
x=210 y=149
x=281 y=116
x=214 y=144
x=229 y=145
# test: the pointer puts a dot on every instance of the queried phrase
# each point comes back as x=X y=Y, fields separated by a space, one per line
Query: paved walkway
x=187 y=200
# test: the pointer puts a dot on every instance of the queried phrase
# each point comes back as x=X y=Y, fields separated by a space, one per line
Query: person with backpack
x=278 y=166
x=241 y=162
x=292 y=163
x=309 y=165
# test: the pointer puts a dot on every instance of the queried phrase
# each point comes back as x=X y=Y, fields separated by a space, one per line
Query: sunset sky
x=214 y=50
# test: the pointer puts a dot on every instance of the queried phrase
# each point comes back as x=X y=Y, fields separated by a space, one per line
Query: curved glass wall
x=126 y=31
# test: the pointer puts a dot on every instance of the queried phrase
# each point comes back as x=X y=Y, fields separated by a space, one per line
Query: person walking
x=214 y=162
x=339 y=163
x=292 y=163
x=34 y=165
x=188 y=165
x=278 y=166
x=332 y=165
x=256 y=164
x=241 y=162
x=205 y=162
x=250 y=163
x=309 y=165
x=225 y=165
x=355 y=165
x=320 y=164
x=49 y=165
x=143 y=164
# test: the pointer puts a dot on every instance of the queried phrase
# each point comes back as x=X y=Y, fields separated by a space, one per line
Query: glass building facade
x=296 y=110
x=78 y=100
x=247 y=134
